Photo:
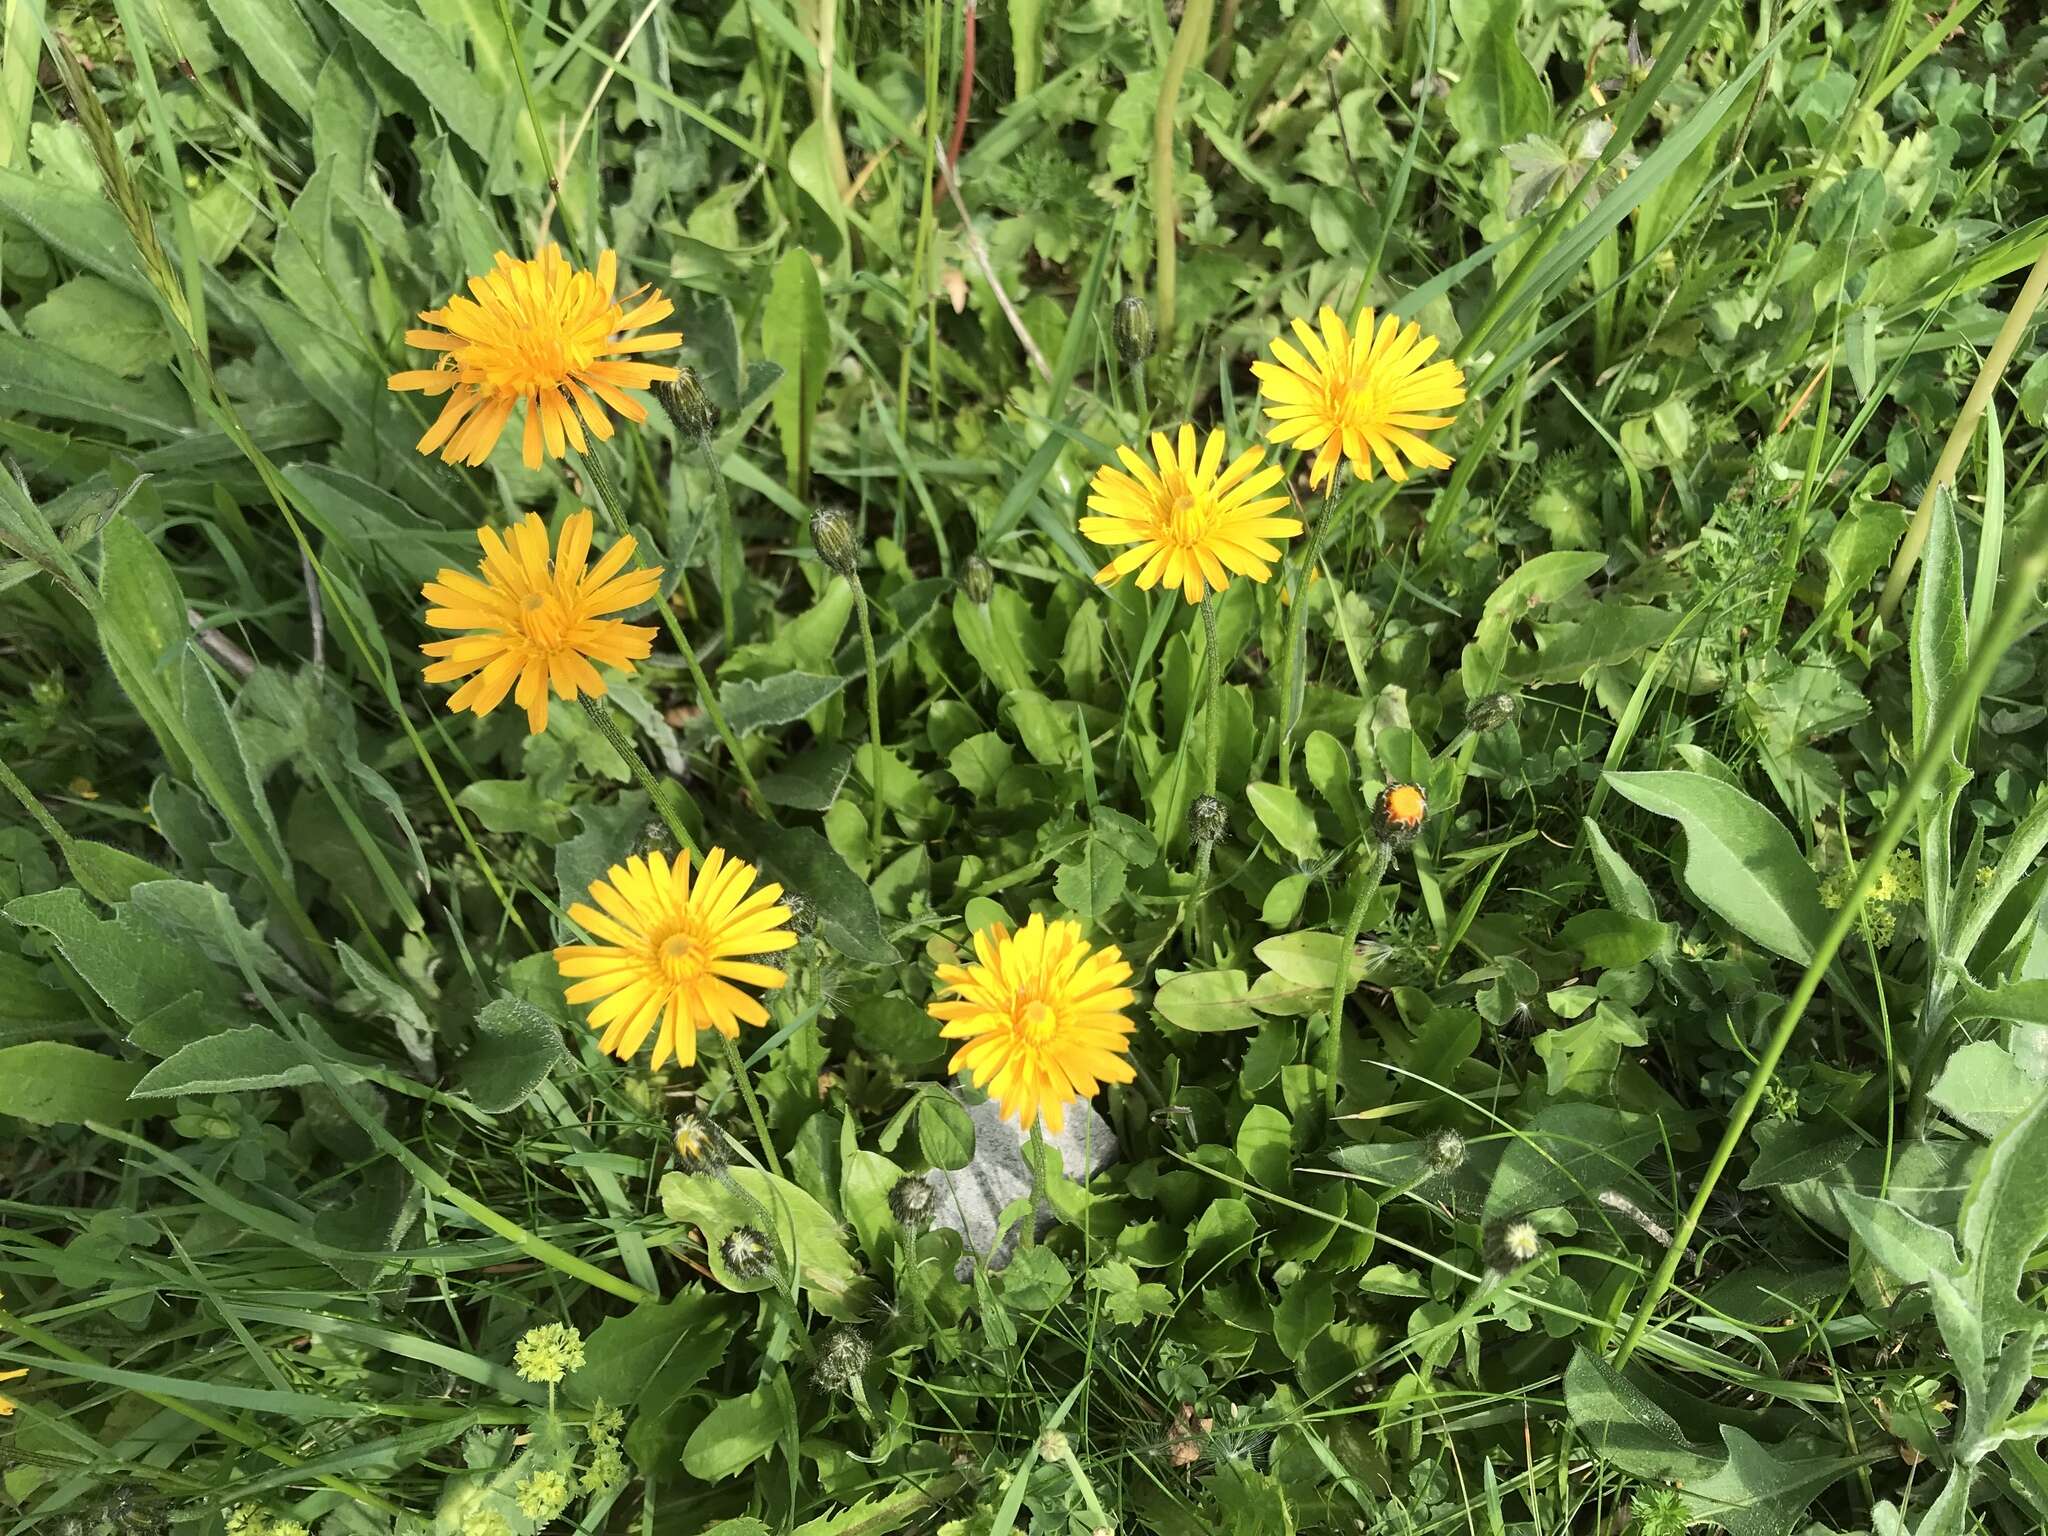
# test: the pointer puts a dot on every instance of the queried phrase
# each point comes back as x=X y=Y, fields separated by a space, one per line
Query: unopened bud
x=1208 y=820
x=688 y=406
x=1398 y=814
x=977 y=579
x=912 y=1202
x=837 y=544
x=1491 y=711
x=1512 y=1244
x=1132 y=328
x=699 y=1147
x=746 y=1253
x=1444 y=1151
x=842 y=1359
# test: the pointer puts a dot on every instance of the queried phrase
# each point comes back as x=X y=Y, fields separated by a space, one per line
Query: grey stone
x=971 y=1200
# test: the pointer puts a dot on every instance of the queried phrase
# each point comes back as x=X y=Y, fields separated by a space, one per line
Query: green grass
x=1673 y=1158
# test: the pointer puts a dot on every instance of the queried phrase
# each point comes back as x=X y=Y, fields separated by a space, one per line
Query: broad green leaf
x=737 y=1432
x=515 y=1048
x=1740 y=862
x=2005 y=1217
x=796 y=337
x=1207 y=1001
x=232 y=1061
x=1566 y=1153
x=805 y=863
x=1624 y=1425
x=805 y=1231
x=945 y=1131
x=1985 y=1087
x=761 y=704
x=47 y=1082
x=107 y=327
x=1280 y=812
x=1499 y=98
x=1613 y=940
x=1090 y=885
x=645 y=1359
x=278 y=43
x=1536 y=582
x=1906 y=1246
x=422 y=55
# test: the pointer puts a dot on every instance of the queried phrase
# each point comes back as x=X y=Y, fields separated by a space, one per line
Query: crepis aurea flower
x=543 y=334
x=1363 y=393
x=1192 y=522
x=1041 y=1012
x=674 y=952
x=536 y=624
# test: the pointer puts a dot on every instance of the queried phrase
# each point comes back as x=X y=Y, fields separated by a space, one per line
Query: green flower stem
x=1190 y=39
x=656 y=790
x=1333 y=1043
x=608 y=493
x=1297 y=627
x=1144 y=400
x=867 y=646
x=1034 y=1159
x=730 y=565
x=737 y=1065
x=1211 y=747
x=2020 y=600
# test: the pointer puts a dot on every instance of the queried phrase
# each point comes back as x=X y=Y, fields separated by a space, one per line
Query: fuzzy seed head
x=843 y=1359
x=1208 y=820
x=747 y=1253
x=1444 y=1151
x=912 y=1202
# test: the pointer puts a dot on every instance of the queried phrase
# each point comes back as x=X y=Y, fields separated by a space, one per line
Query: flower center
x=1037 y=1021
x=681 y=958
x=1184 y=514
x=544 y=621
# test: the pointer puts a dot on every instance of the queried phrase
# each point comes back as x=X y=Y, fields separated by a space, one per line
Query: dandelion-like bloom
x=6 y=1402
x=1363 y=394
x=542 y=332
x=1041 y=1012
x=672 y=950
x=1191 y=522
x=537 y=625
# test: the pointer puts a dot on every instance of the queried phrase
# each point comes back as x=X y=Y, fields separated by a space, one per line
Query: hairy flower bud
x=746 y=1253
x=1491 y=711
x=842 y=1359
x=1132 y=329
x=1444 y=1151
x=912 y=1202
x=1208 y=820
x=977 y=579
x=1511 y=1244
x=688 y=406
x=1398 y=814
x=699 y=1146
x=838 y=545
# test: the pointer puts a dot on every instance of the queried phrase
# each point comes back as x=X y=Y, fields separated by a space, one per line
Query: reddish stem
x=966 y=94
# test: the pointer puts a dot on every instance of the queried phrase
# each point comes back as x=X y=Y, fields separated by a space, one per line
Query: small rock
x=971 y=1200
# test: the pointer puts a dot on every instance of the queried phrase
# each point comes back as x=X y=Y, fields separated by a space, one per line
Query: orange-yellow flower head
x=674 y=953
x=537 y=625
x=1193 y=521
x=542 y=332
x=1363 y=394
x=1042 y=1014
x=6 y=1402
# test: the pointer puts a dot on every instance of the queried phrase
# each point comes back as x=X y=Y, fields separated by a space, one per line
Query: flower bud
x=1208 y=820
x=842 y=1359
x=838 y=544
x=1132 y=329
x=699 y=1147
x=977 y=579
x=1444 y=1151
x=1511 y=1244
x=688 y=406
x=1491 y=711
x=912 y=1202
x=1398 y=814
x=746 y=1253
x=803 y=913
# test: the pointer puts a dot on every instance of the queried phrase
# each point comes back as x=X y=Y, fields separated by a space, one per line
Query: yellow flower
x=672 y=950
x=537 y=625
x=1361 y=395
x=6 y=1402
x=1193 y=521
x=542 y=332
x=1040 y=1011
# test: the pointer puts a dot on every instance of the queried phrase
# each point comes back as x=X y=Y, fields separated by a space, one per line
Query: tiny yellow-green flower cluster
x=607 y=1468
x=254 y=1520
x=548 y=1353
x=542 y=1495
x=1898 y=887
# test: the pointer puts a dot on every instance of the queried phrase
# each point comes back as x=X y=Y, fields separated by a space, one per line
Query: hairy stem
x=737 y=1065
